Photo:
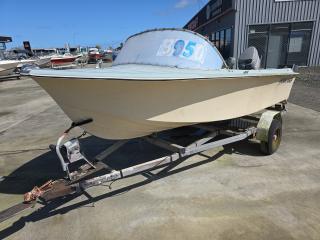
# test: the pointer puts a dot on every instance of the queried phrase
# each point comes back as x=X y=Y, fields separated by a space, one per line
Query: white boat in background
x=43 y=61
x=7 y=67
x=8 y=64
x=162 y=79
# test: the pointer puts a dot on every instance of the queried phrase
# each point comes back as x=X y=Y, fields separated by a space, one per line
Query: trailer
x=8 y=77
x=81 y=171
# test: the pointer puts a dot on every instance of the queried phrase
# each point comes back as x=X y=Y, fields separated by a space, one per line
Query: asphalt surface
x=306 y=89
x=232 y=192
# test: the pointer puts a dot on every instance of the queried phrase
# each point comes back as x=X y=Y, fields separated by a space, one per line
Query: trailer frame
x=69 y=152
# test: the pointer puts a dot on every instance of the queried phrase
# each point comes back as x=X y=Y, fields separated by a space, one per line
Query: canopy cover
x=172 y=48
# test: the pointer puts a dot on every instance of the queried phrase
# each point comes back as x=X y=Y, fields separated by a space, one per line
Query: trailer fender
x=265 y=123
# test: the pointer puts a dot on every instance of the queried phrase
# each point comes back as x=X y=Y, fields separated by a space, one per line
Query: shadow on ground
x=47 y=166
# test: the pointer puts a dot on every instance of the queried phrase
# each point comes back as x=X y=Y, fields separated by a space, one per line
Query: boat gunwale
x=163 y=79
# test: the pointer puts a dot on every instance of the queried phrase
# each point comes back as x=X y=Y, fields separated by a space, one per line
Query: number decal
x=178 y=47
x=166 y=47
x=189 y=49
x=182 y=48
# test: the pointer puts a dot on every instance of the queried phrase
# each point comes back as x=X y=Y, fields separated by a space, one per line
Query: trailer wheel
x=274 y=138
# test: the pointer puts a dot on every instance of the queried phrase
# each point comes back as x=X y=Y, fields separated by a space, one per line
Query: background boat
x=7 y=67
x=63 y=60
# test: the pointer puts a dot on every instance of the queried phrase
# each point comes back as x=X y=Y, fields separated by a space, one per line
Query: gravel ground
x=306 y=89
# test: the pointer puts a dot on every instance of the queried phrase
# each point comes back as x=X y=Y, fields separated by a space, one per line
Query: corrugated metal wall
x=250 y=12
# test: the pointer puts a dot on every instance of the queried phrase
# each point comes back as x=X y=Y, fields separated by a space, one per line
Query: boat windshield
x=172 y=48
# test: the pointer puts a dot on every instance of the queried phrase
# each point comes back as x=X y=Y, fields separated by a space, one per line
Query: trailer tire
x=274 y=138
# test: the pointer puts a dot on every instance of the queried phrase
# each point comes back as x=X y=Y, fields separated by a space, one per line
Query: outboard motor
x=249 y=59
x=231 y=62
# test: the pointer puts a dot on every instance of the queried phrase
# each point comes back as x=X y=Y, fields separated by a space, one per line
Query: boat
x=8 y=64
x=7 y=67
x=94 y=55
x=63 y=60
x=43 y=61
x=162 y=79
x=107 y=56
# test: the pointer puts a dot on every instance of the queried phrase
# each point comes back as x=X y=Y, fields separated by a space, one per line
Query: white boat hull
x=8 y=66
x=125 y=109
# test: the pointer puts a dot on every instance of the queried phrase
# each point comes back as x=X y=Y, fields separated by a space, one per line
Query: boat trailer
x=15 y=76
x=79 y=169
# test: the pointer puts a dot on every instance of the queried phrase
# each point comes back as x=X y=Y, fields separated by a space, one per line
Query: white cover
x=171 y=48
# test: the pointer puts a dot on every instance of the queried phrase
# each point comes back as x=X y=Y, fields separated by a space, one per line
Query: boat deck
x=151 y=72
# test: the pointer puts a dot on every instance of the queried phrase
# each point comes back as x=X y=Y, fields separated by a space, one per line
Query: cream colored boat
x=156 y=84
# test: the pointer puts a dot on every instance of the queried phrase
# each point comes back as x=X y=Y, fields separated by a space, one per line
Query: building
x=285 y=32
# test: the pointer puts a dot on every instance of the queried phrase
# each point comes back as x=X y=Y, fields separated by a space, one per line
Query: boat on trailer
x=7 y=67
x=162 y=79
x=179 y=80
x=63 y=60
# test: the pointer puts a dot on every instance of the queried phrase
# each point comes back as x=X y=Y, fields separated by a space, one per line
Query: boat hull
x=7 y=68
x=62 y=61
x=125 y=109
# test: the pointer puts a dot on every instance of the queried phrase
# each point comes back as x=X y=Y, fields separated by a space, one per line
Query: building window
x=222 y=40
x=299 y=42
x=277 y=45
x=217 y=40
x=281 y=45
